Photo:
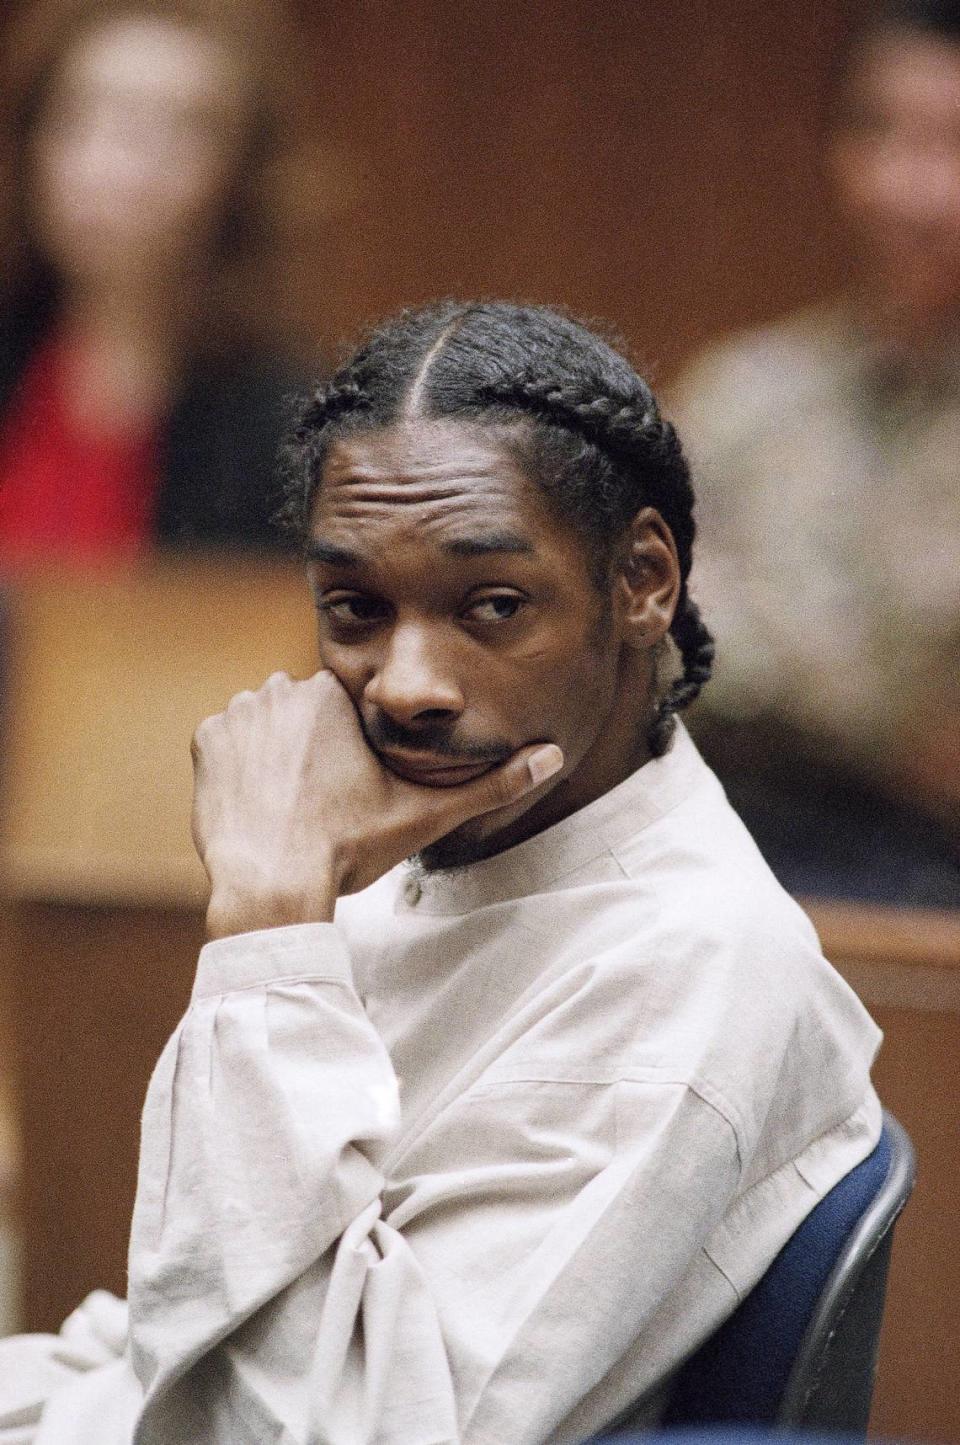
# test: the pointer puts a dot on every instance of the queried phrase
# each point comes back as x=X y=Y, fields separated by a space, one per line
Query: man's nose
x=414 y=681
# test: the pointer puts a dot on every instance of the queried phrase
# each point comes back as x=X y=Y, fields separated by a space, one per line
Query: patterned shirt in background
x=828 y=479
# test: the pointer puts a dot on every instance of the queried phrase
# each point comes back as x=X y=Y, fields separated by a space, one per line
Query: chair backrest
x=801 y=1349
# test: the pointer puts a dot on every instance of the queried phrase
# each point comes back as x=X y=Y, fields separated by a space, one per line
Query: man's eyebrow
x=319 y=550
x=487 y=543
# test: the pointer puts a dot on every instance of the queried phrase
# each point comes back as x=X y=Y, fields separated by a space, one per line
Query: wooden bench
x=905 y=965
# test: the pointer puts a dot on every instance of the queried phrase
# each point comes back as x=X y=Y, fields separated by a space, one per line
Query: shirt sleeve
x=282 y=1290
x=258 y=1259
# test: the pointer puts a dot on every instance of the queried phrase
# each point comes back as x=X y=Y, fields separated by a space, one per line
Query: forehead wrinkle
x=461 y=526
x=426 y=479
x=355 y=495
x=422 y=451
x=362 y=502
x=433 y=475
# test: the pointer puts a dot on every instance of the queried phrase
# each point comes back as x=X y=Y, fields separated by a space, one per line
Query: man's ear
x=648 y=580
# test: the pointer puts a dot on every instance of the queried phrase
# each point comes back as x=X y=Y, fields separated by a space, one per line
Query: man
x=474 y=1148
x=827 y=449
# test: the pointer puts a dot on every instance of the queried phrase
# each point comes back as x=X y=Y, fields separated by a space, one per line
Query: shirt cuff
x=248 y=960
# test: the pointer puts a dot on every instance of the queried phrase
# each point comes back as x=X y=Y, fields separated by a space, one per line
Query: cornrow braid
x=592 y=437
x=632 y=433
x=304 y=447
x=696 y=647
x=367 y=392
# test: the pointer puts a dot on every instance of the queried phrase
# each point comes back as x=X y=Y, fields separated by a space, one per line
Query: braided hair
x=583 y=426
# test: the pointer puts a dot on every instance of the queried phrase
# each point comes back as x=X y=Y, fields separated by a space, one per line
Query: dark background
x=656 y=164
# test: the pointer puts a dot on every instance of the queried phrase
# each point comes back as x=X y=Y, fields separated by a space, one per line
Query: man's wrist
x=234 y=910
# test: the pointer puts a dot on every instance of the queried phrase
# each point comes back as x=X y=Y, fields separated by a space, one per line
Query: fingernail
x=544 y=763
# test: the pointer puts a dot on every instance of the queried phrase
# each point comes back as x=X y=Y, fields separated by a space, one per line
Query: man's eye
x=497 y=607
x=351 y=610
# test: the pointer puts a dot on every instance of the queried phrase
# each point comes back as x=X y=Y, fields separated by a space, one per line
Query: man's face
x=459 y=613
x=895 y=162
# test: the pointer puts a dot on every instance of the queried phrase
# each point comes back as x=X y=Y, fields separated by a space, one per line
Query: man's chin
x=477 y=838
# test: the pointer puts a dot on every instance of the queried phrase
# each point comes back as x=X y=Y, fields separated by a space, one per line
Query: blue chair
x=800 y=1352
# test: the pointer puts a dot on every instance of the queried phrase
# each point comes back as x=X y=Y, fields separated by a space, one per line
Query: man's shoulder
x=724 y=981
x=716 y=899
x=684 y=886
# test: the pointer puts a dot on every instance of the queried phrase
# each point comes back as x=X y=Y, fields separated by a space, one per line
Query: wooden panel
x=870 y=933
x=110 y=677
x=102 y=926
x=905 y=964
x=97 y=992
x=655 y=165
x=916 y=1076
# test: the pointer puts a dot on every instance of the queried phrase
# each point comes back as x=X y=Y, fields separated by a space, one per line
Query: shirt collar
x=601 y=827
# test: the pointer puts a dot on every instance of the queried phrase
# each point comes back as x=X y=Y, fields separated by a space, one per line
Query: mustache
x=383 y=733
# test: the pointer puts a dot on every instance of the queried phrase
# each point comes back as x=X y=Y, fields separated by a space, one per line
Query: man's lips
x=433 y=771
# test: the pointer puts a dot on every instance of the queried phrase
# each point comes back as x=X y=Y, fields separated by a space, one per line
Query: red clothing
x=68 y=493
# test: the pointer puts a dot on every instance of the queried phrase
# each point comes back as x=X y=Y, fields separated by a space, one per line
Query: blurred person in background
x=828 y=453
x=140 y=402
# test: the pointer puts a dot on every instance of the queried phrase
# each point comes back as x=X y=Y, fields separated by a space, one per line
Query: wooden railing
x=869 y=933
x=905 y=965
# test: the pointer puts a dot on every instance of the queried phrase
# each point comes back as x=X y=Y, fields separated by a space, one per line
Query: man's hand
x=292 y=808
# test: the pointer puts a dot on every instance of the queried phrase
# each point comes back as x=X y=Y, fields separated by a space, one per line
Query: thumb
x=507 y=784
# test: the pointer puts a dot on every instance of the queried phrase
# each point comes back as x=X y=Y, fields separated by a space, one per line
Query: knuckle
x=201 y=733
x=323 y=690
x=202 y=742
x=240 y=700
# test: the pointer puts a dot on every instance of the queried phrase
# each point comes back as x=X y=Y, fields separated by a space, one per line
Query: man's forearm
x=250 y=1167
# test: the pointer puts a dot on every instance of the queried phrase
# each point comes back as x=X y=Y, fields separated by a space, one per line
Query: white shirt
x=481 y=1161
